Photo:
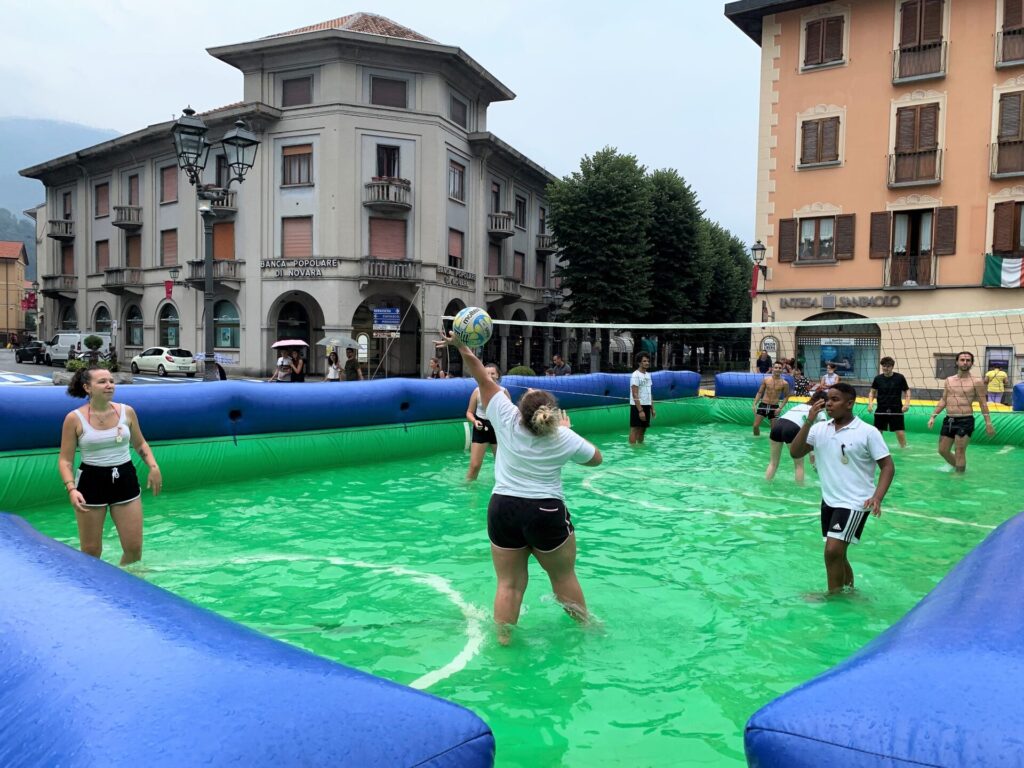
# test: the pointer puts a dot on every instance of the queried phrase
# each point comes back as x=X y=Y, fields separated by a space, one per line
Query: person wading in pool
x=527 y=513
x=893 y=395
x=784 y=430
x=847 y=451
x=483 y=432
x=958 y=395
x=102 y=431
x=771 y=397
x=641 y=402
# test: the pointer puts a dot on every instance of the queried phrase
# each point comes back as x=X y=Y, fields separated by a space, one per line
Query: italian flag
x=1003 y=273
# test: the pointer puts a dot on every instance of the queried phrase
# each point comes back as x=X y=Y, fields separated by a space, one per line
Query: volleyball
x=472 y=325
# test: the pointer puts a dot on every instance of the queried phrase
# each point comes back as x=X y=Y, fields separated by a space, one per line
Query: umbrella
x=289 y=343
x=342 y=342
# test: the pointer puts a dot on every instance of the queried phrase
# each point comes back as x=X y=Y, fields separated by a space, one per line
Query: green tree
x=600 y=218
x=14 y=229
x=728 y=299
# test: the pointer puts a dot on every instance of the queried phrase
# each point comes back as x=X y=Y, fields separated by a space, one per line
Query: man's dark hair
x=643 y=356
x=969 y=354
x=830 y=365
x=887 y=361
x=845 y=389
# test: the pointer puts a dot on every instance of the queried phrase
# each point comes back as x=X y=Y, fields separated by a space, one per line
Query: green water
x=704 y=578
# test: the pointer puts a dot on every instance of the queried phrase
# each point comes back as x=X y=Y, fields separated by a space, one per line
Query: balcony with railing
x=500 y=225
x=910 y=270
x=59 y=285
x=546 y=244
x=227 y=273
x=61 y=229
x=1010 y=48
x=121 y=280
x=393 y=270
x=919 y=62
x=127 y=217
x=1007 y=159
x=226 y=205
x=388 y=194
x=502 y=288
x=911 y=169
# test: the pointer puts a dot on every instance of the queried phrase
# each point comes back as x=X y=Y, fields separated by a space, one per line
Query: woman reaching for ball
x=483 y=431
x=527 y=514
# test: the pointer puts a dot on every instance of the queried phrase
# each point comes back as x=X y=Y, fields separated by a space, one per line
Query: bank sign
x=298 y=268
x=832 y=302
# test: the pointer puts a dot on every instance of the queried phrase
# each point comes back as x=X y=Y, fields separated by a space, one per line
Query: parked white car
x=165 y=360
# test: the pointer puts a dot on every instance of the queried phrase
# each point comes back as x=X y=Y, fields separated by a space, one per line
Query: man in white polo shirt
x=846 y=452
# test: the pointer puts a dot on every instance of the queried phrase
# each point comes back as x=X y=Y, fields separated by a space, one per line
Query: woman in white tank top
x=103 y=433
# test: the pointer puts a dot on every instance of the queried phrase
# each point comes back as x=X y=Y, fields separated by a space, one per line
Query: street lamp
x=193 y=150
x=757 y=251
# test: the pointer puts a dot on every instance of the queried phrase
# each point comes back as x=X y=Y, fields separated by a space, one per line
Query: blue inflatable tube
x=943 y=687
x=101 y=668
x=1018 y=397
x=32 y=416
x=744 y=384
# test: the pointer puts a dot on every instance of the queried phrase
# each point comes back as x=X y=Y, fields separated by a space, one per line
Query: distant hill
x=24 y=142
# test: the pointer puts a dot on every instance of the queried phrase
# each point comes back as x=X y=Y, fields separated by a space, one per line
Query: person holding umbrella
x=333 y=367
x=352 y=370
x=290 y=365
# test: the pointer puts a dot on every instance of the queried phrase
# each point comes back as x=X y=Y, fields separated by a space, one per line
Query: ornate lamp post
x=193 y=150
x=757 y=252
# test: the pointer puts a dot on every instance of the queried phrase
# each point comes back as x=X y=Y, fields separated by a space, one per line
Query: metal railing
x=390 y=269
x=388 y=193
x=1006 y=159
x=127 y=216
x=919 y=62
x=500 y=224
x=1010 y=46
x=909 y=271
x=914 y=168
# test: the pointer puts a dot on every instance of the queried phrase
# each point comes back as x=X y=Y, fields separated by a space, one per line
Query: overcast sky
x=670 y=81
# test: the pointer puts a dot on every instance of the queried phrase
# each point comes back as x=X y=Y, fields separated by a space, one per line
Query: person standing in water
x=958 y=396
x=103 y=432
x=784 y=430
x=893 y=395
x=641 y=401
x=527 y=513
x=771 y=398
x=483 y=431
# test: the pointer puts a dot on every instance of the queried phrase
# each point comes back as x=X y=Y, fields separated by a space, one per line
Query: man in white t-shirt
x=641 y=403
x=847 y=451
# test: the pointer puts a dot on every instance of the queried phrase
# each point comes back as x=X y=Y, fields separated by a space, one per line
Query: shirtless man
x=957 y=398
x=771 y=397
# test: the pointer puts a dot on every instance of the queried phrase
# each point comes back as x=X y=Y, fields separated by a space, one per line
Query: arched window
x=168 y=326
x=101 y=320
x=133 y=326
x=69 y=318
x=225 y=325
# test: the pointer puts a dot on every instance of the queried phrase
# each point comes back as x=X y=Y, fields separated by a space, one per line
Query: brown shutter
x=844 y=237
x=133 y=190
x=224 y=241
x=830 y=140
x=387 y=92
x=787 y=240
x=881 y=232
x=931 y=21
x=909 y=22
x=455 y=244
x=832 y=50
x=169 y=247
x=518 y=265
x=1013 y=14
x=297 y=149
x=297 y=237
x=387 y=238
x=928 y=127
x=102 y=199
x=906 y=129
x=945 y=231
x=1002 y=228
x=1009 y=116
x=169 y=184
x=812 y=43
x=809 y=142
x=493 y=259
x=297 y=91
x=102 y=255
x=133 y=251
x=67 y=259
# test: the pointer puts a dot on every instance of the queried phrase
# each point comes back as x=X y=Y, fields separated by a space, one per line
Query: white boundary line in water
x=588 y=484
x=473 y=615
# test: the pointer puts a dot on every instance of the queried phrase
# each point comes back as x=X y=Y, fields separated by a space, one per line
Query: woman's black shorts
x=634 y=416
x=485 y=435
x=783 y=431
x=104 y=486
x=515 y=523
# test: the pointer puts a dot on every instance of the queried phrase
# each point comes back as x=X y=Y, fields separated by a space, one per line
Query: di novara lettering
x=810 y=302
x=298 y=268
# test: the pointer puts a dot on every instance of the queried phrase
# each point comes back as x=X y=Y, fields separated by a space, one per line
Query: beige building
x=890 y=178
x=376 y=186
x=13 y=261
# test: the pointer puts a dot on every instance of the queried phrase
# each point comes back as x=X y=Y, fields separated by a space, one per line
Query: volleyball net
x=924 y=347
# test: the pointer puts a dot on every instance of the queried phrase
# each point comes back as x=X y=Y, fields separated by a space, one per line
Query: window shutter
x=881 y=231
x=812 y=43
x=102 y=200
x=169 y=184
x=1002 y=227
x=844 y=237
x=906 y=129
x=224 y=241
x=133 y=251
x=297 y=237
x=297 y=149
x=909 y=22
x=832 y=50
x=928 y=127
x=297 y=91
x=133 y=190
x=809 y=142
x=1009 y=116
x=67 y=259
x=945 y=231
x=787 y=240
x=1013 y=14
x=387 y=92
x=102 y=255
x=168 y=247
x=830 y=140
x=931 y=21
x=387 y=238
x=455 y=243
x=493 y=259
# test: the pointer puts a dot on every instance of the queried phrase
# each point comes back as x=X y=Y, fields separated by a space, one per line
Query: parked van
x=58 y=348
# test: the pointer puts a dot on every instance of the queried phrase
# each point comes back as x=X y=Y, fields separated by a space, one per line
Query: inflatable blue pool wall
x=103 y=668
x=744 y=384
x=940 y=687
x=1018 y=397
x=32 y=416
